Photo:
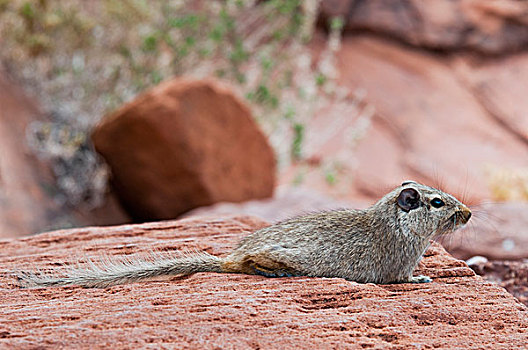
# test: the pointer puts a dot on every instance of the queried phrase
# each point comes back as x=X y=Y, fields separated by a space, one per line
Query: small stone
x=477 y=259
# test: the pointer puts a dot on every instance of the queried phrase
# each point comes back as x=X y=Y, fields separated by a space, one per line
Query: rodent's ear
x=408 y=199
x=407 y=182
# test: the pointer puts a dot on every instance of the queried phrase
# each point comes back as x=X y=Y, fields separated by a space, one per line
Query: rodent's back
x=319 y=228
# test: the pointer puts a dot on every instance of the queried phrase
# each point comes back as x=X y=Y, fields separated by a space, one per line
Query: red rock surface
x=500 y=86
x=511 y=275
x=182 y=145
x=436 y=130
x=212 y=311
x=442 y=117
x=489 y=27
x=435 y=121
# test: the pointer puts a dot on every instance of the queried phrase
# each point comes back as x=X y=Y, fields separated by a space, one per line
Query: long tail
x=110 y=272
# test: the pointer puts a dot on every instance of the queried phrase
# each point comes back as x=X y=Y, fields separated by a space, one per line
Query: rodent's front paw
x=421 y=279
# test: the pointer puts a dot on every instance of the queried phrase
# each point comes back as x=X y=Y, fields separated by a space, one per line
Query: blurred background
x=126 y=111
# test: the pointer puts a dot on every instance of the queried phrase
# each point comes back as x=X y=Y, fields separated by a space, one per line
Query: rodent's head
x=427 y=211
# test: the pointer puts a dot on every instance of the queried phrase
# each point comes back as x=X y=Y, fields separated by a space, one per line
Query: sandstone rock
x=497 y=231
x=209 y=310
x=182 y=145
x=500 y=85
x=488 y=27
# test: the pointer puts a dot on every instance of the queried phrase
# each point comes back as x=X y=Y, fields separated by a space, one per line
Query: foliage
x=508 y=184
x=84 y=59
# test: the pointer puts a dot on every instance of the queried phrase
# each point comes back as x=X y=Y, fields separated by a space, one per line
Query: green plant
x=331 y=178
x=86 y=58
x=298 y=132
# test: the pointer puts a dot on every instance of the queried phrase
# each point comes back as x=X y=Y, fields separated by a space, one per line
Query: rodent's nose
x=466 y=213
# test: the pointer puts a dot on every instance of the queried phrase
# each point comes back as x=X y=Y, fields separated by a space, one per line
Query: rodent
x=381 y=244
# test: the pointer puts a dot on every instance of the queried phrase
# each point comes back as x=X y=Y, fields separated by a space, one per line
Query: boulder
x=211 y=310
x=486 y=27
x=182 y=145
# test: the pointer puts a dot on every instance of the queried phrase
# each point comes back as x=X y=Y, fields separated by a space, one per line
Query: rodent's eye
x=437 y=202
